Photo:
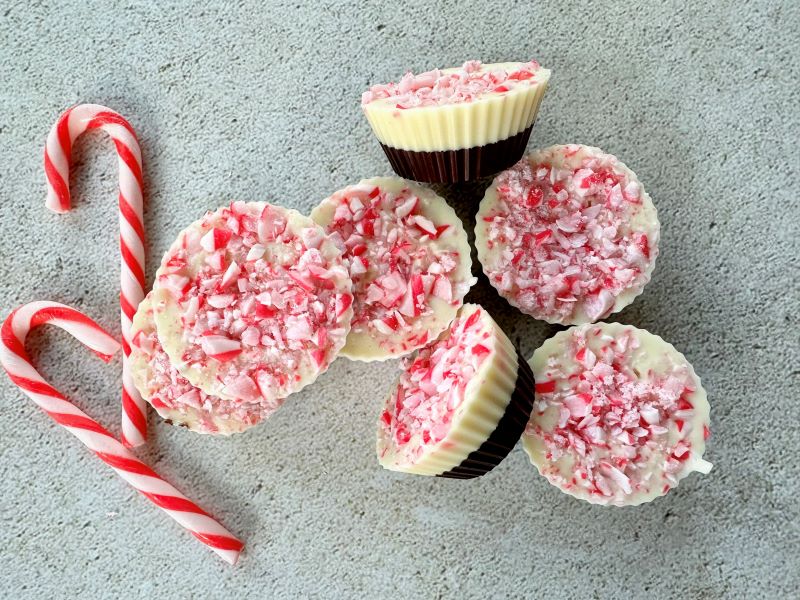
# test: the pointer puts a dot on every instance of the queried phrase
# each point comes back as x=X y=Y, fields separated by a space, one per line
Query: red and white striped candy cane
x=19 y=368
x=58 y=150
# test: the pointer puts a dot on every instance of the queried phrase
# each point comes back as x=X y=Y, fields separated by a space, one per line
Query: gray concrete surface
x=259 y=101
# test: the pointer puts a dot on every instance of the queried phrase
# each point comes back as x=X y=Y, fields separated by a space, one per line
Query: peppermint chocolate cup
x=409 y=258
x=568 y=235
x=458 y=124
x=620 y=416
x=252 y=303
x=460 y=405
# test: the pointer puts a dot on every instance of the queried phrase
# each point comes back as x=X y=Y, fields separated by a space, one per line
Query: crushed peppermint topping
x=400 y=259
x=564 y=238
x=453 y=86
x=622 y=432
x=264 y=300
x=169 y=391
x=420 y=410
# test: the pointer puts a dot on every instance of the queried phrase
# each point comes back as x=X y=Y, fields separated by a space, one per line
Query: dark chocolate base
x=464 y=164
x=508 y=431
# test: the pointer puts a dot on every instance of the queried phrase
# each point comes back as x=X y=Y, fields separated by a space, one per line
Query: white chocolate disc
x=252 y=302
x=409 y=259
x=567 y=235
x=620 y=416
x=173 y=397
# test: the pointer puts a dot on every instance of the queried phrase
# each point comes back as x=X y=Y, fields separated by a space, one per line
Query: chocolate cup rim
x=458 y=165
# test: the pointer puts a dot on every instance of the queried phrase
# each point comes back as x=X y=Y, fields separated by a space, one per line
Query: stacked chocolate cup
x=250 y=304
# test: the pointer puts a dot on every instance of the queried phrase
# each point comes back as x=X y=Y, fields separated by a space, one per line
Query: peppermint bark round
x=456 y=124
x=567 y=235
x=252 y=302
x=174 y=397
x=620 y=416
x=409 y=259
x=460 y=404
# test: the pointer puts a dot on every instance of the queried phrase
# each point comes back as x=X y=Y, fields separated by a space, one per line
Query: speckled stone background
x=259 y=101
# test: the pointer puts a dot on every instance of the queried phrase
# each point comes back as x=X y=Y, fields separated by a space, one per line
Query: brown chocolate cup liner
x=508 y=431
x=464 y=164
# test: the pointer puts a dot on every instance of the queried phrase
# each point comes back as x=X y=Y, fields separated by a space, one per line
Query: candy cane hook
x=58 y=149
x=143 y=479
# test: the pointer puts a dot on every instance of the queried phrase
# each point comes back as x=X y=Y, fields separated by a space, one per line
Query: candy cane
x=143 y=479
x=57 y=154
